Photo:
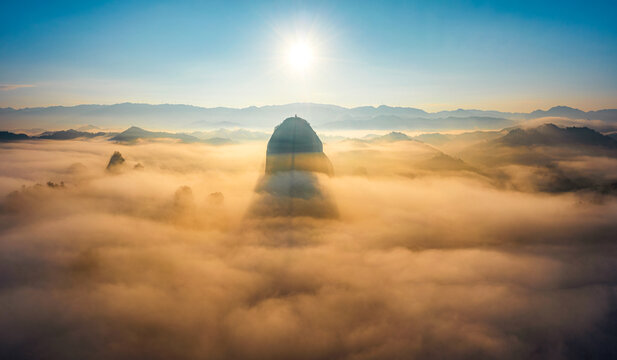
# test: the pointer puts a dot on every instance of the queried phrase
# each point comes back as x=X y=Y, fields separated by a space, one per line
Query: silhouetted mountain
x=552 y=135
x=532 y=159
x=323 y=116
x=69 y=134
x=169 y=116
x=115 y=162
x=289 y=186
x=561 y=111
x=397 y=154
x=9 y=136
x=294 y=145
x=572 y=113
x=52 y=135
x=392 y=137
x=393 y=122
x=134 y=133
x=605 y=115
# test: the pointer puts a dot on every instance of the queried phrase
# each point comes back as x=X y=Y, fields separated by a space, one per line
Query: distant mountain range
x=9 y=136
x=544 y=135
x=321 y=117
x=552 y=135
x=438 y=139
x=70 y=134
x=52 y=135
x=135 y=133
x=130 y=135
x=392 y=122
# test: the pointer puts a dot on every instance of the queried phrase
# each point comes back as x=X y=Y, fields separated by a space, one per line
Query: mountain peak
x=290 y=186
x=396 y=136
x=552 y=135
x=294 y=135
x=561 y=110
x=294 y=145
x=115 y=162
x=563 y=107
x=134 y=128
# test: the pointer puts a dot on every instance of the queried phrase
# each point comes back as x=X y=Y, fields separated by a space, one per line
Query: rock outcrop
x=290 y=185
x=294 y=145
x=115 y=162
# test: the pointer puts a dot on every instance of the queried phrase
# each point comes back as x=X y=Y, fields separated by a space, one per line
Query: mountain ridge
x=550 y=135
x=323 y=116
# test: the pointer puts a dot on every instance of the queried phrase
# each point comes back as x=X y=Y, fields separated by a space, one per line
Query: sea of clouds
x=167 y=261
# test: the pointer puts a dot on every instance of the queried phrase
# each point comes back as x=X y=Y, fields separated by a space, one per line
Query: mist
x=168 y=259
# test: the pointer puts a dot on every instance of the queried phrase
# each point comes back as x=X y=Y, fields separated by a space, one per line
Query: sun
x=300 y=56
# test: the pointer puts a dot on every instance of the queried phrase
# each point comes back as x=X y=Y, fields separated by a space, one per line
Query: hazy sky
x=515 y=56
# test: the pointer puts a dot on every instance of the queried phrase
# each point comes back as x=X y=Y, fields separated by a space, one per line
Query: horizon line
x=294 y=103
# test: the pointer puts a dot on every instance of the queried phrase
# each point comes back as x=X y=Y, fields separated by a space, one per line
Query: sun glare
x=300 y=56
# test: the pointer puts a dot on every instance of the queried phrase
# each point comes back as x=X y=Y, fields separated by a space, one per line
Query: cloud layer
x=163 y=262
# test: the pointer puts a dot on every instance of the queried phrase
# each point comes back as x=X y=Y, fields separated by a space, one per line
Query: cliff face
x=290 y=185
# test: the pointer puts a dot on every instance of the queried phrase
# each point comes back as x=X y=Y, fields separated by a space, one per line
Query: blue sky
x=511 y=56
